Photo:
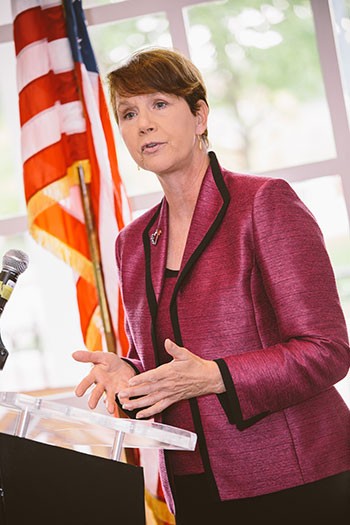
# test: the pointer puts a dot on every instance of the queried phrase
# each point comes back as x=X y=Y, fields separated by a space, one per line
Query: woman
x=233 y=319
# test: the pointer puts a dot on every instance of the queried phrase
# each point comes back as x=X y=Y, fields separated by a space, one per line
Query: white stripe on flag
x=46 y=4
x=60 y=54
x=107 y=222
x=40 y=132
x=32 y=62
x=126 y=211
x=73 y=205
x=38 y=58
x=46 y=127
x=18 y=6
x=72 y=118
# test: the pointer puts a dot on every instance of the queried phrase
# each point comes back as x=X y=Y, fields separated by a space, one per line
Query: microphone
x=14 y=262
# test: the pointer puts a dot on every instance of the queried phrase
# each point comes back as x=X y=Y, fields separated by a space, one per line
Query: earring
x=200 y=142
x=138 y=168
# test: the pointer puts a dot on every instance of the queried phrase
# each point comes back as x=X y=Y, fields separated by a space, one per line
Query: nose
x=146 y=129
x=146 y=123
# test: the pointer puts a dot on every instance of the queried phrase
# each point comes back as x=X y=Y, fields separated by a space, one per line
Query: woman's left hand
x=186 y=376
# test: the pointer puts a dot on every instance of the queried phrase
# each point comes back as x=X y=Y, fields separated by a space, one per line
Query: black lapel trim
x=230 y=402
x=153 y=307
x=210 y=233
x=206 y=240
x=151 y=297
x=175 y=319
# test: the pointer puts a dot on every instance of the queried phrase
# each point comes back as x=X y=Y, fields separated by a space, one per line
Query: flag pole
x=96 y=262
x=100 y=285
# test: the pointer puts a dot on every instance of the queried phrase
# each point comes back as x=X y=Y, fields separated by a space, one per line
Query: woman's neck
x=181 y=190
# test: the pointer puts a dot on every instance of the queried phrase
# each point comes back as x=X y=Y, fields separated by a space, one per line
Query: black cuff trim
x=131 y=364
x=203 y=449
x=230 y=402
x=129 y=413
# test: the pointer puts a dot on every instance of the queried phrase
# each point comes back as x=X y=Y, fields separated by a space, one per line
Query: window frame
x=330 y=70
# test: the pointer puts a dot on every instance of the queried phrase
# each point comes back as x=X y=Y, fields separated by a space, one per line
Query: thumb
x=85 y=356
x=177 y=352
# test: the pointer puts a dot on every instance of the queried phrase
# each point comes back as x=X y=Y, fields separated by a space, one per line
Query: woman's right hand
x=109 y=374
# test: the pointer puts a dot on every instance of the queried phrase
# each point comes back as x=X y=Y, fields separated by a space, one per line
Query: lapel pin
x=155 y=236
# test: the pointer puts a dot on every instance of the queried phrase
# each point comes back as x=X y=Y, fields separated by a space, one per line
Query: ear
x=201 y=117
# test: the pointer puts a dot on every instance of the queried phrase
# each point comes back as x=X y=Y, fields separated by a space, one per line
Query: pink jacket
x=255 y=292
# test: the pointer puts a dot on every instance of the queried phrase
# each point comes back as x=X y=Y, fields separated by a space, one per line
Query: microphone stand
x=3 y=354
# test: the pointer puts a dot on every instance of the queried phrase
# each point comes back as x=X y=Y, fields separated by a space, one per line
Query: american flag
x=65 y=123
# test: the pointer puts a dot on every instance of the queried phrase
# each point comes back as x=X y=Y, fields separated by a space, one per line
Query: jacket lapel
x=210 y=209
x=155 y=240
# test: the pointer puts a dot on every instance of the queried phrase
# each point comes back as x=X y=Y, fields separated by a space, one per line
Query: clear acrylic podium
x=62 y=465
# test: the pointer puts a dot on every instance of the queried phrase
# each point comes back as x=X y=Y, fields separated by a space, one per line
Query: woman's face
x=160 y=131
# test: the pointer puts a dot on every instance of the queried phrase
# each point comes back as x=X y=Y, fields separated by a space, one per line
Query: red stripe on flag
x=58 y=223
x=123 y=340
x=51 y=164
x=36 y=97
x=106 y=123
x=48 y=166
x=43 y=92
x=35 y=24
x=55 y=23
x=29 y=27
x=52 y=196
x=95 y=169
x=87 y=301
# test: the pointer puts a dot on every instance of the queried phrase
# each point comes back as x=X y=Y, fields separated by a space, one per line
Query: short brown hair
x=157 y=69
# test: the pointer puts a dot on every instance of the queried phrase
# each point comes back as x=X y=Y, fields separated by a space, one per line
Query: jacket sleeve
x=313 y=352
x=132 y=357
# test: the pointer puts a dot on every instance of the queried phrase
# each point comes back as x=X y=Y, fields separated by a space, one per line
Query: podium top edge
x=42 y=407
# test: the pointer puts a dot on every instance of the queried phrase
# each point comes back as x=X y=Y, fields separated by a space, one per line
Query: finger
x=135 y=404
x=84 y=385
x=84 y=356
x=151 y=376
x=156 y=408
x=110 y=402
x=136 y=391
x=96 y=395
x=148 y=400
x=177 y=352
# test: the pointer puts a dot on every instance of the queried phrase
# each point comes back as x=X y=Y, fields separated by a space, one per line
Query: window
x=40 y=325
x=112 y=43
x=325 y=199
x=341 y=19
x=12 y=200
x=278 y=87
x=261 y=67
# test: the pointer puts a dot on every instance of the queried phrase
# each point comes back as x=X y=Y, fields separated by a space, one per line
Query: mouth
x=151 y=147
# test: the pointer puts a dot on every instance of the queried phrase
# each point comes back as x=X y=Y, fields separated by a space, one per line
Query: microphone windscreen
x=15 y=261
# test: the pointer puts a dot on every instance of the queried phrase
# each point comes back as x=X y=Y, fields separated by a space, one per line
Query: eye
x=160 y=104
x=128 y=115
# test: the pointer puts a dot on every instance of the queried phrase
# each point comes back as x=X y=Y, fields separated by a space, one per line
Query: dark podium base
x=45 y=484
